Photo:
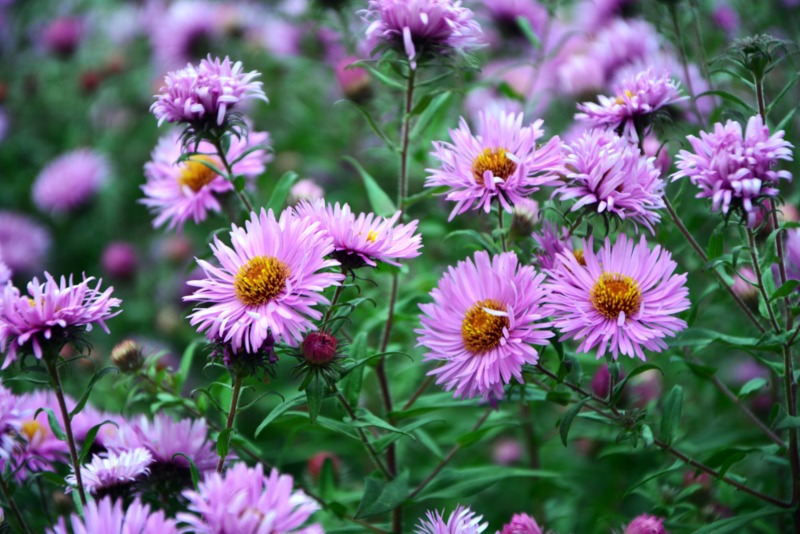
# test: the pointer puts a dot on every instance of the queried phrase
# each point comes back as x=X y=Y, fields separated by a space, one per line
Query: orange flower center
x=31 y=428
x=494 y=160
x=195 y=174
x=482 y=330
x=621 y=100
x=578 y=253
x=260 y=280
x=615 y=293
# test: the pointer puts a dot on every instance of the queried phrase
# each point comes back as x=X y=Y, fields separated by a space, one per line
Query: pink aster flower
x=10 y=422
x=38 y=449
x=70 y=181
x=608 y=175
x=305 y=189
x=504 y=15
x=364 y=239
x=637 y=97
x=205 y=94
x=183 y=30
x=177 y=192
x=112 y=472
x=484 y=318
x=736 y=169
x=624 y=298
x=421 y=26
x=646 y=524
x=552 y=242
x=5 y=270
x=501 y=162
x=107 y=515
x=266 y=283
x=461 y=521
x=521 y=524
x=48 y=311
x=25 y=242
x=63 y=35
x=792 y=255
x=245 y=500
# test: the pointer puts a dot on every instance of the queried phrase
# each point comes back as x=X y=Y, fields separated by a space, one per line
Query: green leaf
x=351 y=384
x=192 y=469
x=372 y=123
x=186 y=363
x=224 y=442
x=365 y=418
x=378 y=199
x=616 y=393
x=785 y=290
x=783 y=92
x=383 y=78
x=239 y=183
x=438 y=104
x=569 y=416
x=527 y=30
x=281 y=191
x=785 y=120
x=715 y=244
x=381 y=497
x=677 y=465
x=671 y=419
x=315 y=393
x=730 y=98
x=469 y=480
x=88 y=441
x=85 y=397
x=788 y=422
x=647 y=435
x=752 y=385
x=55 y=426
x=735 y=524
x=281 y=409
x=724 y=459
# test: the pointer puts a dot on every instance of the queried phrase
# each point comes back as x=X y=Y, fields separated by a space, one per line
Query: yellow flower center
x=260 y=280
x=31 y=428
x=615 y=293
x=482 y=330
x=621 y=100
x=493 y=160
x=578 y=253
x=372 y=235
x=195 y=175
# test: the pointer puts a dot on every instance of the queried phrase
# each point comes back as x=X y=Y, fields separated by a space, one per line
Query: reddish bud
x=319 y=348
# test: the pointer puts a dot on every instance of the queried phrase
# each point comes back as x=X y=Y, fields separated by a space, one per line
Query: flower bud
x=127 y=356
x=316 y=463
x=601 y=381
x=644 y=388
x=63 y=35
x=319 y=348
x=525 y=215
x=120 y=260
x=743 y=284
x=506 y=451
x=354 y=81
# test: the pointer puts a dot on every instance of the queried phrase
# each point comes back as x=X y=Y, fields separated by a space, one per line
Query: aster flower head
x=51 y=313
x=608 y=175
x=177 y=192
x=646 y=524
x=363 y=239
x=485 y=315
x=419 y=27
x=624 y=299
x=553 y=241
x=735 y=168
x=10 y=422
x=206 y=95
x=70 y=181
x=792 y=244
x=521 y=524
x=265 y=283
x=637 y=98
x=107 y=515
x=502 y=162
x=113 y=473
x=38 y=448
x=24 y=241
x=462 y=520
x=245 y=500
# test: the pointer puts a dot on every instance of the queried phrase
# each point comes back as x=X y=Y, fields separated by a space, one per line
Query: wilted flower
x=120 y=260
x=244 y=500
x=462 y=520
x=364 y=239
x=637 y=97
x=113 y=473
x=106 y=515
x=204 y=95
x=646 y=524
x=483 y=320
x=624 y=298
x=734 y=169
x=608 y=175
x=524 y=217
x=502 y=162
x=70 y=181
x=266 y=283
x=521 y=524
x=49 y=313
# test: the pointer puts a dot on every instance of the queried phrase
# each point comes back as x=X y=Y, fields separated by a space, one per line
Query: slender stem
x=402 y=189
x=447 y=458
x=790 y=384
x=13 y=505
x=757 y=268
x=574 y=225
x=237 y=387
x=43 y=497
x=52 y=368
x=685 y=63
x=704 y=257
x=500 y=226
x=698 y=37
x=334 y=300
x=373 y=454
x=217 y=142
x=762 y=110
x=420 y=390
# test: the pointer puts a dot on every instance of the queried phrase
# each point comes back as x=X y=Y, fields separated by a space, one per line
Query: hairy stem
x=334 y=300
x=420 y=390
x=237 y=387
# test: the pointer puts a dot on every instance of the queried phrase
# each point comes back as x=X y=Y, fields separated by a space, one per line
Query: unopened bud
x=354 y=81
x=319 y=348
x=317 y=462
x=525 y=215
x=127 y=356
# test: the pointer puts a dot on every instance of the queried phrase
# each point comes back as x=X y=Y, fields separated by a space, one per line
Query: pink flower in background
x=183 y=32
x=107 y=515
x=726 y=18
x=521 y=524
x=421 y=26
x=364 y=239
x=646 y=524
x=177 y=192
x=504 y=14
x=10 y=423
x=110 y=471
x=265 y=283
x=5 y=270
x=484 y=318
x=70 y=181
x=120 y=260
x=48 y=310
x=623 y=299
x=637 y=97
x=736 y=169
x=501 y=162
x=608 y=175
x=38 y=448
x=792 y=254
x=354 y=81
x=25 y=242
x=205 y=93
x=305 y=189
x=507 y=451
x=245 y=500
x=63 y=35
x=743 y=282
x=462 y=520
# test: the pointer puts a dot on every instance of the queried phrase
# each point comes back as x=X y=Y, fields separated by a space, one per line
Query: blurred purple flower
x=70 y=181
x=792 y=255
x=504 y=15
x=108 y=473
x=120 y=260
x=305 y=189
x=107 y=516
x=653 y=148
x=39 y=448
x=726 y=18
x=521 y=524
x=10 y=423
x=63 y=35
x=462 y=520
x=506 y=451
x=646 y=524
x=24 y=242
x=184 y=31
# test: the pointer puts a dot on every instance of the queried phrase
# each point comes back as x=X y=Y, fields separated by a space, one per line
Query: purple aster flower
x=521 y=524
x=10 y=422
x=246 y=501
x=63 y=35
x=107 y=515
x=553 y=242
x=504 y=14
x=608 y=175
x=48 y=311
x=205 y=94
x=305 y=189
x=364 y=239
x=177 y=192
x=646 y=524
x=417 y=27
x=483 y=320
x=507 y=451
x=120 y=260
x=461 y=521
x=265 y=283
x=183 y=31
x=792 y=254
x=5 y=270
x=726 y=18
x=637 y=97
x=502 y=162
x=24 y=241
x=70 y=181
x=113 y=473
x=736 y=169
x=624 y=298
x=39 y=448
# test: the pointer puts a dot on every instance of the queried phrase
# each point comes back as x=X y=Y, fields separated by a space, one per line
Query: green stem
x=373 y=454
x=420 y=390
x=334 y=300
x=237 y=387
x=217 y=142
x=13 y=505
x=757 y=268
x=685 y=63
x=500 y=226
x=402 y=189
